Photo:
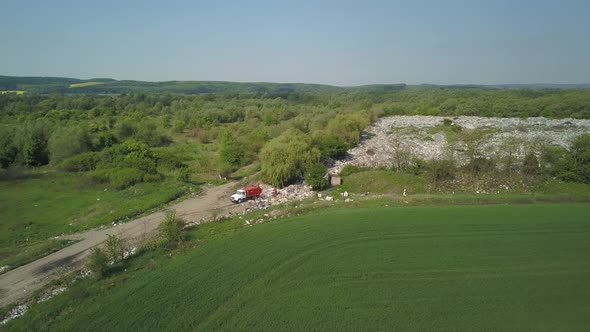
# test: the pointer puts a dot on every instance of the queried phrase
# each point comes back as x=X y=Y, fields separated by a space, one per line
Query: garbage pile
x=422 y=137
x=275 y=196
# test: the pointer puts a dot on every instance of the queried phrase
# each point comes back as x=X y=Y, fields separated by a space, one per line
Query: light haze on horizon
x=329 y=42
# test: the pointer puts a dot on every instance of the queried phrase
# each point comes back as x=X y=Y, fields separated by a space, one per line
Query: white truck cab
x=239 y=196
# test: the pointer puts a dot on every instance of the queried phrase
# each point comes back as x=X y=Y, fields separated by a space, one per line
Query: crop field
x=18 y=92
x=85 y=84
x=33 y=211
x=497 y=267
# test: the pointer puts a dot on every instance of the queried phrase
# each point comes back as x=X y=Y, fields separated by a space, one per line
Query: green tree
x=283 y=159
x=315 y=176
x=348 y=127
x=31 y=142
x=67 y=142
x=230 y=150
x=8 y=149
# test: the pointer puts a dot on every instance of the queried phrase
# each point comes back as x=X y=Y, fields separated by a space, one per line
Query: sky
x=331 y=42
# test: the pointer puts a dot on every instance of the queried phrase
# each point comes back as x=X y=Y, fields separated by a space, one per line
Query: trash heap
x=422 y=137
x=274 y=196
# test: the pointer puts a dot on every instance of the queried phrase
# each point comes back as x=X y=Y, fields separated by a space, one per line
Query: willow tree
x=284 y=159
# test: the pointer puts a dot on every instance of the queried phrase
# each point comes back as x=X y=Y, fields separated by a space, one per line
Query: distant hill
x=64 y=85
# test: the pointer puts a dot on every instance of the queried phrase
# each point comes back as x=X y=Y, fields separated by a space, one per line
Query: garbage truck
x=246 y=193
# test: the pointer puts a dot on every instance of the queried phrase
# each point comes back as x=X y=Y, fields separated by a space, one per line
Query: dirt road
x=18 y=283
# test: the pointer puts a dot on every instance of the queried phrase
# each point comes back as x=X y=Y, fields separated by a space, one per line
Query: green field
x=469 y=268
x=33 y=210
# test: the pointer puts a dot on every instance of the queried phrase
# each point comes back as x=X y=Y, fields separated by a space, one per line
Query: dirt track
x=18 y=283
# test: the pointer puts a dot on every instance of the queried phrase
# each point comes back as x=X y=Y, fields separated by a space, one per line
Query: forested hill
x=63 y=85
x=49 y=85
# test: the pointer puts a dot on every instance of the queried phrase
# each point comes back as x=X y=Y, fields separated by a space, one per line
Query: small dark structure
x=334 y=179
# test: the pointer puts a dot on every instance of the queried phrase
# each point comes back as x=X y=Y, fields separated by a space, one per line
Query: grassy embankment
x=506 y=267
x=33 y=211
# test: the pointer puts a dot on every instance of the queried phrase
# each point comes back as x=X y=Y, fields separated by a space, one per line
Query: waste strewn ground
x=424 y=137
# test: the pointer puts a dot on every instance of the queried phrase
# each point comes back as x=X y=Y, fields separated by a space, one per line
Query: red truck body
x=252 y=191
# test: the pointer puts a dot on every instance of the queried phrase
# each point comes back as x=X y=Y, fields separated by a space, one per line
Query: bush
x=98 y=262
x=152 y=177
x=315 y=176
x=574 y=166
x=480 y=165
x=530 y=164
x=171 y=229
x=81 y=163
x=68 y=142
x=150 y=134
x=118 y=178
x=183 y=174
x=169 y=160
x=441 y=170
x=115 y=247
x=417 y=167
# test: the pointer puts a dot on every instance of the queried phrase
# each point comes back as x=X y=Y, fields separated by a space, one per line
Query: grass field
x=498 y=267
x=384 y=182
x=33 y=210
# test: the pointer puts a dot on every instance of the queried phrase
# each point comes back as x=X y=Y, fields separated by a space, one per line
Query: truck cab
x=239 y=196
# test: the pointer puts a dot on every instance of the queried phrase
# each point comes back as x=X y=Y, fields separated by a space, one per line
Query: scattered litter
x=49 y=294
x=16 y=312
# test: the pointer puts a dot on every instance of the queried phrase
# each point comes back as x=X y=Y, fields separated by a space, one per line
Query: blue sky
x=333 y=42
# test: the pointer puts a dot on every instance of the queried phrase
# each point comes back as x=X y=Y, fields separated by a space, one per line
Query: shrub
x=530 y=164
x=81 y=163
x=574 y=166
x=124 y=130
x=118 y=178
x=480 y=165
x=441 y=170
x=171 y=229
x=183 y=174
x=169 y=160
x=68 y=142
x=98 y=262
x=417 y=167
x=150 y=134
x=315 y=176
x=152 y=177
x=115 y=247
x=124 y=177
